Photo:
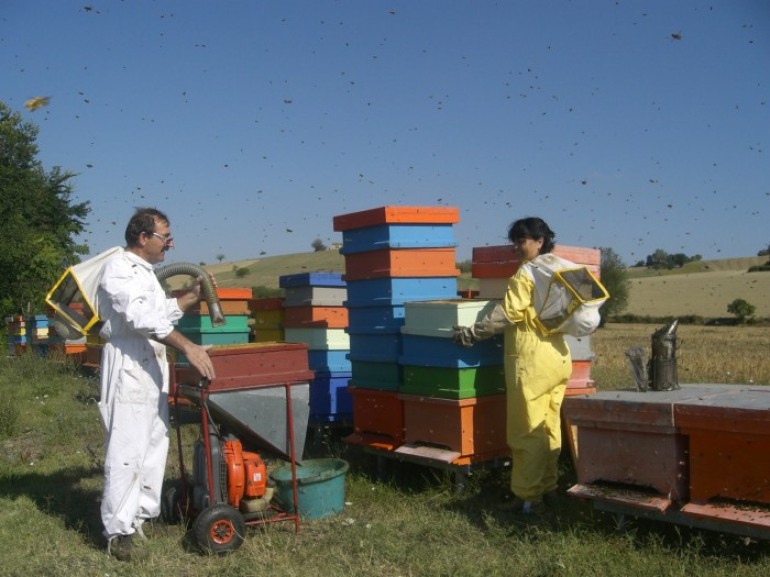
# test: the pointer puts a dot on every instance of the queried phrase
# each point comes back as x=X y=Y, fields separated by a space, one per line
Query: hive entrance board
x=428 y=452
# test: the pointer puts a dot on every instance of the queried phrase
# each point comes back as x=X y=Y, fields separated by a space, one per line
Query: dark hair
x=143 y=221
x=533 y=227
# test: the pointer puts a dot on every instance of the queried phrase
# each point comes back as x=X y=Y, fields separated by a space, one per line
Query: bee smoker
x=661 y=369
x=659 y=373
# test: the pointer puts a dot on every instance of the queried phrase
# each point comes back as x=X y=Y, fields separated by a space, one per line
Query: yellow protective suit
x=537 y=368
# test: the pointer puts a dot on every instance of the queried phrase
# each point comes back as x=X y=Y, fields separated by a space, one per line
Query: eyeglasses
x=167 y=240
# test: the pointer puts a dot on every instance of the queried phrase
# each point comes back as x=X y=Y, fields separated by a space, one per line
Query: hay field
x=706 y=293
x=706 y=354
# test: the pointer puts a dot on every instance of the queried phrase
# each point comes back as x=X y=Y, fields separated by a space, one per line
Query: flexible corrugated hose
x=207 y=287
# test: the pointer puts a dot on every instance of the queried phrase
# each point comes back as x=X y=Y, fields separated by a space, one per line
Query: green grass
x=399 y=520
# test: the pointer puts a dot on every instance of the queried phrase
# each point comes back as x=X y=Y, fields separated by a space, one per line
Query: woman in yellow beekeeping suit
x=537 y=368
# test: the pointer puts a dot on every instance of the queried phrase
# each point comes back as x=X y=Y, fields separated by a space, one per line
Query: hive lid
x=397 y=214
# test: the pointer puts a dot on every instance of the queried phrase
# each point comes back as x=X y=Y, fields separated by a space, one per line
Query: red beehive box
x=473 y=426
x=395 y=263
x=378 y=418
x=729 y=444
x=253 y=365
x=397 y=215
x=312 y=316
x=630 y=437
x=502 y=262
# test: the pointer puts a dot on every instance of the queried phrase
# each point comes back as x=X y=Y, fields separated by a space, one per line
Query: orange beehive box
x=397 y=215
x=225 y=294
x=729 y=444
x=378 y=418
x=473 y=426
x=229 y=307
x=234 y=301
x=581 y=370
x=311 y=316
x=401 y=263
x=502 y=262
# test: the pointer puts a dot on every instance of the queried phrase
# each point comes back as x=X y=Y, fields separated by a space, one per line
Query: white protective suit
x=134 y=390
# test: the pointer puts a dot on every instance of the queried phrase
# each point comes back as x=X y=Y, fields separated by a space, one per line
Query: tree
x=658 y=259
x=220 y=257
x=39 y=219
x=318 y=245
x=742 y=309
x=614 y=277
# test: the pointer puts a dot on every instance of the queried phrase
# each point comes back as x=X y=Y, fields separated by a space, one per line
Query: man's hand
x=192 y=296
x=196 y=289
x=197 y=355
x=199 y=358
x=463 y=336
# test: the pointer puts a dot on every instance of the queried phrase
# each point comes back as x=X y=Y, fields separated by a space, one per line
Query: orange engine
x=246 y=473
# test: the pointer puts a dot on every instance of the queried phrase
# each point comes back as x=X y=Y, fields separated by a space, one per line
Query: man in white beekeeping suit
x=138 y=324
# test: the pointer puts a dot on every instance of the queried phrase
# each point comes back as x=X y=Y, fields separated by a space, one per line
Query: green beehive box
x=202 y=323
x=207 y=338
x=376 y=375
x=454 y=383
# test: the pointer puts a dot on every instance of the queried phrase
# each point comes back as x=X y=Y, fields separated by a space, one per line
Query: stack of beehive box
x=37 y=333
x=196 y=324
x=454 y=397
x=16 y=332
x=314 y=314
x=494 y=265
x=393 y=255
x=268 y=314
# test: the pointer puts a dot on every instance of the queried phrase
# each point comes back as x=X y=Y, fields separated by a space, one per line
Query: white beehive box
x=436 y=318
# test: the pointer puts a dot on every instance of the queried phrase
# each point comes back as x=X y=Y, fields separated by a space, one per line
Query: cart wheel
x=219 y=529
x=172 y=509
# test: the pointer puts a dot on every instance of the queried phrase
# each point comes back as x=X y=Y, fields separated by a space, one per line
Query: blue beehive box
x=335 y=361
x=397 y=236
x=330 y=400
x=397 y=291
x=425 y=351
x=373 y=346
x=386 y=318
x=323 y=279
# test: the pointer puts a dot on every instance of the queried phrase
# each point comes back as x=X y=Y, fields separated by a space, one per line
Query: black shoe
x=121 y=547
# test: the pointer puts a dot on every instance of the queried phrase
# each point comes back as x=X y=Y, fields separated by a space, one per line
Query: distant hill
x=702 y=288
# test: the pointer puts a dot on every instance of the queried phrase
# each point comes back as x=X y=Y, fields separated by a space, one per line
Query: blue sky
x=635 y=125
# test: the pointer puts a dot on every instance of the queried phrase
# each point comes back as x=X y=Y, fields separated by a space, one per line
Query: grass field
x=702 y=288
x=410 y=522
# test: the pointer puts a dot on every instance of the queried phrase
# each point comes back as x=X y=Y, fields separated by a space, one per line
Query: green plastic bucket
x=320 y=487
